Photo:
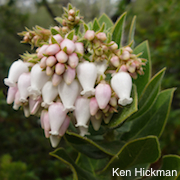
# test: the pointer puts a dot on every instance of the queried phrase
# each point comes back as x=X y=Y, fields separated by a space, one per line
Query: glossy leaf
x=170 y=162
x=139 y=151
x=78 y=172
x=132 y=31
x=149 y=94
x=96 y=25
x=119 y=29
x=127 y=111
x=105 y=19
x=142 y=80
x=153 y=121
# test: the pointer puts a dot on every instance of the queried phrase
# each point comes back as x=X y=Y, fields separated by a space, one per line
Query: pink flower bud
x=103 y=94
x=89 y=35
x=52 y=49
x=57 y=116
x=51 y=61
x=71 y=12
x=131 y=67
x=75 y=38
x=128 y=49
x=79 y=47
x=43 y=62
x=93 y=106
x=49 y=93
x=87 y=74
x=82 y=111
x=125 y=55
x=11 y=94
x=69 y=45
x=49 y=71
x=58 y=38
x=64 y=126
x=59 y=68
x=123 y=68
x=46 y=124
x=69 y=75
x=56 y=79
x=101 y=36
x=17 y=68
x=62 y=57
x=73 y=60
x=121 y=83
x=115 y=61
x=113 y=46
x=113 y=101
x=24 y=82
x=96 y=123
x=42 y=50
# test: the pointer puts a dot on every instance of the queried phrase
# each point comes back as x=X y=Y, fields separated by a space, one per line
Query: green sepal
x=96 y=25
x=71 y=35
x=59 y=20
x=54 y=31
x=53 y=40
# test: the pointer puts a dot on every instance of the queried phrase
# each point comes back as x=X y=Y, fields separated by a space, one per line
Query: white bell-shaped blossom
x=54 y=139
x=11 y=94
x=49 y=93
x=17 y=68
x=17 y=103
x=69 y=94
x=57 y=116
x=103 y=94
x=96 y=123
x=101 y=67
x=24 y=82
x=82 y=111
x=87 y=74
x=38 y=79
x=121 y=83
x=83 y=131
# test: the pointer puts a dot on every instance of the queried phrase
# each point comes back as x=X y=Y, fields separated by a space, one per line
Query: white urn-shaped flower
x=11 y=94
x=38 y=79
x=121 y=83
x=101 y=67
x=49 y=93
x=17 y=68
x=87 y=74
x=57 y=116
x=69 y=94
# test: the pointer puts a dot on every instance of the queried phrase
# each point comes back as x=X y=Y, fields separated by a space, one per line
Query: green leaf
x=127 y=111
x=70 y=35
x=93 y=149
x=132 y=31
x=96 y=25
x=119 y=29
x=139 y=151
x=171 y=163
x=149 y=94
x=77 y=171
x=153 y=121
x=59 y=20
x=70 y=6
x=105 y=19
x=142 y=80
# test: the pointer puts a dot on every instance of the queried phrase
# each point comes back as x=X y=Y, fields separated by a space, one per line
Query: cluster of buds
x=65 y=80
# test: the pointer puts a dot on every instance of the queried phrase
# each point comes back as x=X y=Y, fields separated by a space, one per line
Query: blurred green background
x=24 y=151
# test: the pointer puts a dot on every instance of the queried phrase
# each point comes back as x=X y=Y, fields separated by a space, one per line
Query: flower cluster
x=66 y=78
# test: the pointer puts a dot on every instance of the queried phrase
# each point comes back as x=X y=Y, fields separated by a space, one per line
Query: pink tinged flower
x=59 y=68
x=56 y=79
x=49 y=93
x=38 y=79
x=62 y=57
x=79 y=47
x=82 y=111
x=125 y=55
x=58 y=38
x=101 y=36
x=24 y=82
x=73 y=60
x=49 y=71
x=54 y=140
x=103 y=94
x=96 y=123
x=34 y=105
x=11 y=94
x=83 y=131
x=101 y=67
x=57 y=116
x=52 y=49
x=69 y=75
x=123 y=68
x=87 y=74
x=17 y=68
x=64 y=126
x=45 y=123
x=42 y=50
x=121 y=83
x=93 y=105
x=115 y=61
x=43 y=62
x=89 y=35
x=17 y=103
x=70 y=46
x=69 y=94
x=75 y=38
x=51 y=61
